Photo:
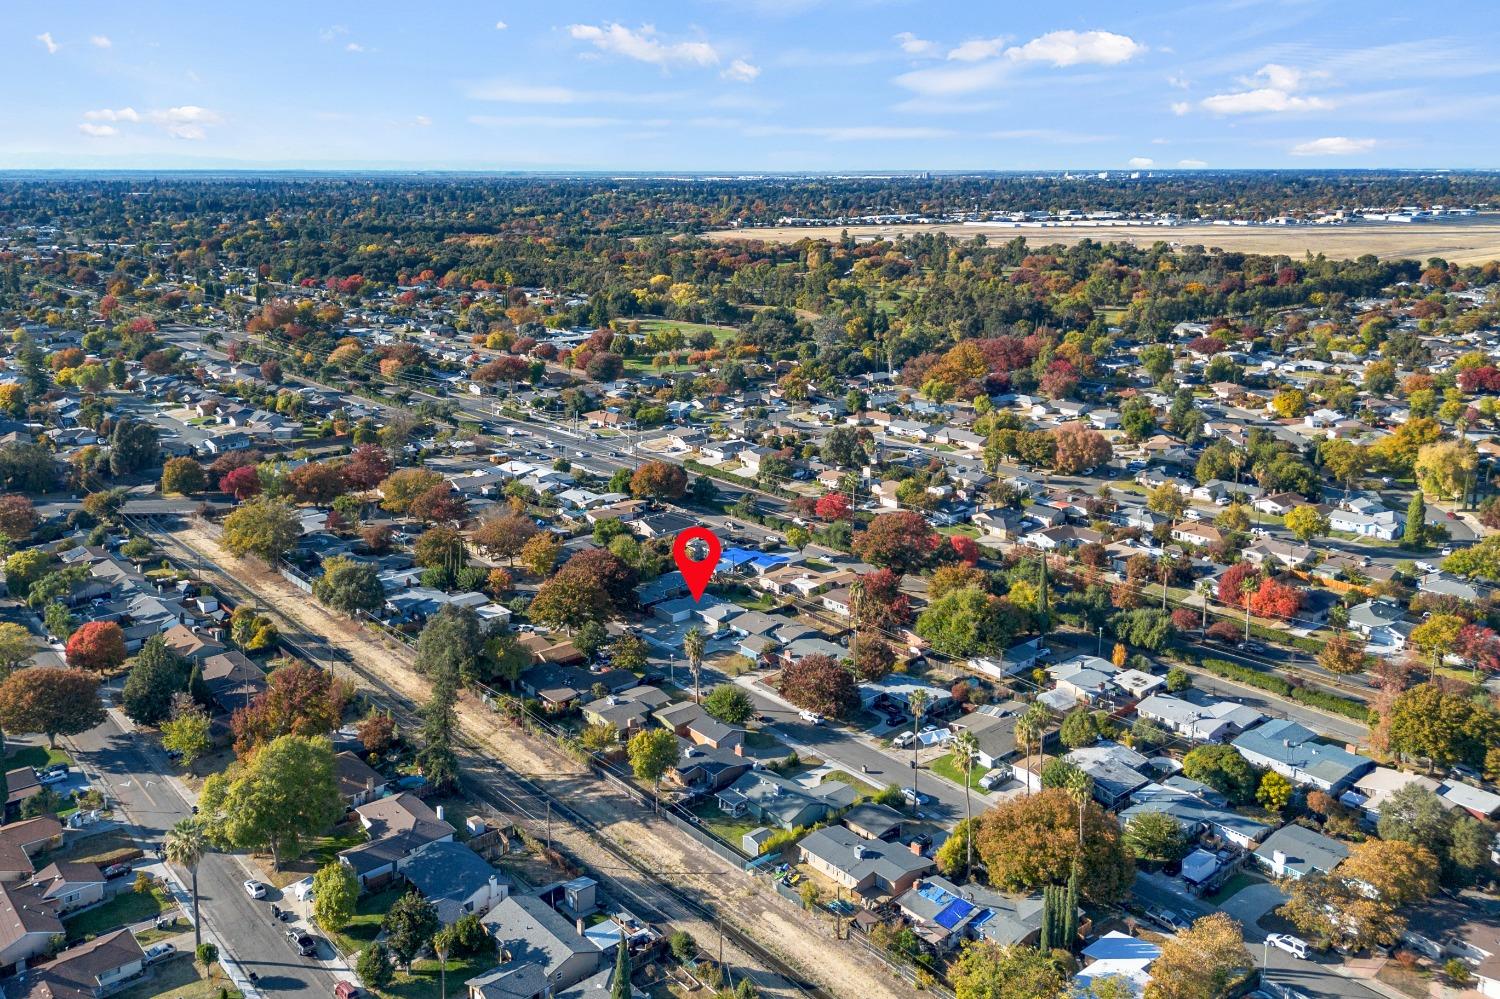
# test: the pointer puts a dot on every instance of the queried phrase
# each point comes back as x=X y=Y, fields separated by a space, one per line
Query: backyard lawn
x=125 y=909
x=944 y=766
x=726 y=827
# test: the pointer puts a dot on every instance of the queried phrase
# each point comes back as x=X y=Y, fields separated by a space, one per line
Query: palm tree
x=1030 y=728
x=442 y=945
x=186 y=847
x=1080 y=788
x=693 y=646
x=917 y=701
x=1206 y=591
x=966 y=754
x=1248 y=586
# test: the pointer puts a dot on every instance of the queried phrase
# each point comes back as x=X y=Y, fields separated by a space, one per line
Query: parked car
x=1295 y=946
x=54 y=775
x=116 y=871
x=811 y=717
x=255 y=889
x=1165 y=918
x=159 y=952
x=346 y=990
x=305 y=944
x=903 y=741
x=915 y=797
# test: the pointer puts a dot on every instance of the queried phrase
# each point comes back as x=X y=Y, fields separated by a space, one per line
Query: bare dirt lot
x=1459 y=242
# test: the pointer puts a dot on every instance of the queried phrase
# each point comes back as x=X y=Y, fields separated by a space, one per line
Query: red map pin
x=697 y=574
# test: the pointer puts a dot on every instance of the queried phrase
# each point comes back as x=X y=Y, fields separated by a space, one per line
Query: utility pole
x=549 y=823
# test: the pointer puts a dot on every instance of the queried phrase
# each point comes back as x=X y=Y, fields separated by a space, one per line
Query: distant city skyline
x=775 y=86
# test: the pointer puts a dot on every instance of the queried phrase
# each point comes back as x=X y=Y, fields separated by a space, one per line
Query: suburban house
x=776 y=801
x=1295 y=851
x=68 y=885
x=1214 y=721
x=358 y=781
x=27 y=925
x=1119 y=956
x=398 y=826
x=1292 y=751
x=20 y=841
x=91 y=970
x=529 y=931
x=456 y=880
x=1197 y=814
x=1466 y=927
x=943 y=914
x=871 y=870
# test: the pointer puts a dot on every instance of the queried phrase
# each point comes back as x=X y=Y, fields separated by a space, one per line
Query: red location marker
x=697 y=574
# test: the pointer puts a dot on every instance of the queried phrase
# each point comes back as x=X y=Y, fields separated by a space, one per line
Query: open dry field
x=1459 y=242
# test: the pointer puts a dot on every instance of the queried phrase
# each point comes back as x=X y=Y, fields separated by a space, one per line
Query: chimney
x=440 y=813
x=916 y=848
x=739 y=749
x=579 y=925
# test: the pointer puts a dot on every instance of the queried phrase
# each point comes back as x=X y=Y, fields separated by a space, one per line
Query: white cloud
x=501 y=25
x=100 y=41
x=354 y=47
x=1178 y=80
x=1265 y=100
x=1141 y=162
x=976 y=49
x=46 y=39
x=1181 y=107
x=949 y=81
x=987 y=63
x=1334 y=145
x=1072 y=48
x=97 y=131
x=422 y=120
x=187 y=121
x=110 y=114
x=1192 y=164
x=912 y=45
x=643 y=45
x=741 y=71
x=1272 y=90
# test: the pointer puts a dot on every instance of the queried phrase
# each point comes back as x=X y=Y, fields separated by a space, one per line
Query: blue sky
x=750 y=85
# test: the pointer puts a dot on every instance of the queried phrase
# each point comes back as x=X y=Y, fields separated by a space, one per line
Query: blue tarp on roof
x=733 y=558
x=954 y=913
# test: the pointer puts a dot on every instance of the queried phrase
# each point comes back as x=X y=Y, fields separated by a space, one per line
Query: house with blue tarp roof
x=944 y=914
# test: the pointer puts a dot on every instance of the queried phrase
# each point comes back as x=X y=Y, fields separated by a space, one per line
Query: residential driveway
x=1249 y=904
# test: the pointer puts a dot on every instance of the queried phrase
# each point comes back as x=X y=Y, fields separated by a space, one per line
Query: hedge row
x=1312 y=697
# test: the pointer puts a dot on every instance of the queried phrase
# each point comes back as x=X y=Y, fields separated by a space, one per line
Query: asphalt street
x=1313 y=976
x=129 y=771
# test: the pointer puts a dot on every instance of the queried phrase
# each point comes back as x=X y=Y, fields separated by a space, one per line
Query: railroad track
x=512 y=794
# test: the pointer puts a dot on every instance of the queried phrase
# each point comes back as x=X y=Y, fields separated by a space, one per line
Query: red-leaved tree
x=97 y=645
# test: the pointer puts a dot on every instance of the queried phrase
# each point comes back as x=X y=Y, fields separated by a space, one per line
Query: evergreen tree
x=1416 y=518
x=620 y=987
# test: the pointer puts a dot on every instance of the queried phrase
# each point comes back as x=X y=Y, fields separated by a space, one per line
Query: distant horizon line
x=664 y=174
